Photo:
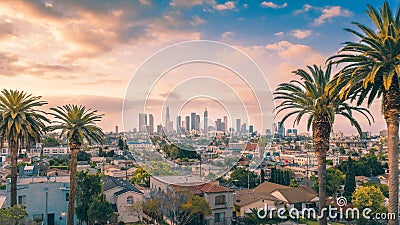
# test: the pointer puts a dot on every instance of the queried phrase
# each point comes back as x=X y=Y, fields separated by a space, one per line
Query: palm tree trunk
x=72 y=186
x=14 y=174
x=391 y=111
x=321 y=132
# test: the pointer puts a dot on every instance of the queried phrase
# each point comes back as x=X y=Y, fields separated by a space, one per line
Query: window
x=67 y=197
x=38 y=217
x=220 y=200
x=22 y=200
x=129 y=200
x=219 y=217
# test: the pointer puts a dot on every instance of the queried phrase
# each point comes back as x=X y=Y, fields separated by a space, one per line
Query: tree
x=195 y=207
x=87 y=188
x=334 y=178
x=371 y=72
x=78 y=124
x=383 y=187
x=141 y=176
x=50 y=142
x=20 y=120
x=369 y=197
x=350 y=182
x=15 y=215
x=243 y=176
x=314 y=96
x=83 y=156
x=262 y=176
x=100 y=210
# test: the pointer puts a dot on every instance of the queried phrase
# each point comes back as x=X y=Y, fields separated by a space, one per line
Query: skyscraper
x=251 y=129
x=193 y=121
x=238 y=123
x=197 y=125
x=178 y=124
x=187 y=123
x=225 y=127
x=151 y=124
x=116 y=129
x=281 y=129
x=142 y=122
x=243 y=129
x=205 y=120
x=218 y=124
x=167 y=116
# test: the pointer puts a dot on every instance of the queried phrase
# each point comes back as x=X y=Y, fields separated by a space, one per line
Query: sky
x=86 y=52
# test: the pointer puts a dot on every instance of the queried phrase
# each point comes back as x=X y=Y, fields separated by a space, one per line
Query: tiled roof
x=250 y=147
x=245 y=197
x=298 y=194
x=268 y=187
x=201 y=188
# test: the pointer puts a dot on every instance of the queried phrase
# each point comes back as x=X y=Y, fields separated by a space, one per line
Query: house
x=45 y=198
x=125 y=198
x=299 y=197
x=28 y=171
x=218 y=197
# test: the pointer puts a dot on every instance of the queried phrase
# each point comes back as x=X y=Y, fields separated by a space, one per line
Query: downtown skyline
x=85 y=53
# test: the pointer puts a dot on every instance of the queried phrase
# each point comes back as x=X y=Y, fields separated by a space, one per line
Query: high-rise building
x=225 y=127
x=167 y=116
x=205 y=120
x=193 y=121
x=187 y=121
x=116 y=129
x=151 y=124
x=218 y=124
x=197 y=125
x=251 y=129
x=159 y=129
x=170 y=126
x=178 y=124
x=281 y=129
x=142 y=122
x=238 y=123
x=243 y=129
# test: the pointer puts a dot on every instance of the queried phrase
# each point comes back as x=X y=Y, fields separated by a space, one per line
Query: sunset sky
x=85 y=52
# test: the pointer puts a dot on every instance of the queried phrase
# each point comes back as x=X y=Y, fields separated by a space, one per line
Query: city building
x=238 y=125
x=193 y=121
x=45 y=198
x=142 y=123
x=205 y=120
x=150 y=128
x=124 y=196
x=187 y=122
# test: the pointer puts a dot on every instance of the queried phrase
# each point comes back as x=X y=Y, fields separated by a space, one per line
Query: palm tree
x=19 y=119
x=371 y=71
x=311 y=97
x=77 y=123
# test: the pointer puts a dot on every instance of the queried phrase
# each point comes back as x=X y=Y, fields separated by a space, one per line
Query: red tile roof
x=201 y=188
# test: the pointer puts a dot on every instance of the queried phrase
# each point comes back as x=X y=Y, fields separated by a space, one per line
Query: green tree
x=242 y=176
x=100 y=210
x=194 y=208
x=293 y=183
x=83 y=156
x=15 y=215
x=372 y=72
x=262 y=176
x=334 y=178
x=369 y=197
x=141 y=176
x=50 y=142
x=350 y=182
x=78 y=124
x=314 y=96
x=20 y=120
x=383 y=187
x=87 y=187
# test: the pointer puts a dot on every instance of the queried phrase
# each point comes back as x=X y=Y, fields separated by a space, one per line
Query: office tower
x=225 y=127
x=205 y=120
x=238 y=123
x=281 y=129
x=218 y=124
x=268 y=132
x=170 y=126
x=151 y=124
x=193 y=121
x=178 y=124
x=183 y=127
x=159 y=129
x=142 y=122
x=116 y=129
x=197 y=122
x=294 y=132
x=251 y=129
x=187 y=123
x=243 y=129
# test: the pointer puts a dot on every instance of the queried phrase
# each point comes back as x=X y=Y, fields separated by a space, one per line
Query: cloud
x=229 y=5
x=145 y=2
x=196 y=20
x=185 y=3
x=301 y=34
x=306 y=8
x=7 y=30
x=330 y=12
x=279 y=34
x=227 y=36
x=265 y=4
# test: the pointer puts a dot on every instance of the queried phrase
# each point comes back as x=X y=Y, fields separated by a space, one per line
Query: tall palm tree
x=372 y=71
x=77 y=123
x=311 y=97
x=19 y=118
